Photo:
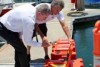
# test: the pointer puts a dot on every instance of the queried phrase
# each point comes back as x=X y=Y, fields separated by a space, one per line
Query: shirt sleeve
x=60 y=16
x=28 y=27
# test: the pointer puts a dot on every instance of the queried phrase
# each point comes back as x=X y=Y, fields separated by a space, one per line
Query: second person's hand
x=45 y=42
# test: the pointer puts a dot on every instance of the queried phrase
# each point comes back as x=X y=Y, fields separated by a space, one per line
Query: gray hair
x=58 y=3
x=44 y=9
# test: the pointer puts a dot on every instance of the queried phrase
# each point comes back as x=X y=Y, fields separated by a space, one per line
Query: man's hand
x=45 y=42
x=70 y=40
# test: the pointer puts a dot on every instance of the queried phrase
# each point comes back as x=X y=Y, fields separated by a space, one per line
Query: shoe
x=46 y=57
x=29 y=58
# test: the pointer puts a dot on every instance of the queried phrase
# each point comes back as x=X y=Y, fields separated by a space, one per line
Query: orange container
x=64 y=55
x=96 y=39
x=55 y=63
x=97 y=25
x=61 y=49
x=78 y=63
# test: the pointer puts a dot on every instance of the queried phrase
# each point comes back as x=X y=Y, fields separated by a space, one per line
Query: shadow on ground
x=39 y=60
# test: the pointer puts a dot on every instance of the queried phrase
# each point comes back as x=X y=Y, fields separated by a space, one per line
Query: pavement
x=54 y=33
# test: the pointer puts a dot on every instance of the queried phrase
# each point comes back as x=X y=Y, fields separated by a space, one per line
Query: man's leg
x=21 y=59
x=46 y=53
x=43 y=29
x=17 y=63
x=20 y=51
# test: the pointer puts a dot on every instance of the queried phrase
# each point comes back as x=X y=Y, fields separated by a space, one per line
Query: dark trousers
x=21 y=59
x=43 y=29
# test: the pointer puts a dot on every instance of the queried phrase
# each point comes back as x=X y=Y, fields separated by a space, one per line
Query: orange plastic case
x=61 y=48
x=64 y=55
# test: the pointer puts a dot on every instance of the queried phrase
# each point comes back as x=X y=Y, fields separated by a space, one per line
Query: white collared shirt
x=22 y=20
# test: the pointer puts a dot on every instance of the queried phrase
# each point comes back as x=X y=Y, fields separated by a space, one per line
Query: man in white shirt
x=17 y=25
x=56 y=6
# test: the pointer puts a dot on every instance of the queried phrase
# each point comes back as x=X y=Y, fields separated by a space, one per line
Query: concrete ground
x=54 y=33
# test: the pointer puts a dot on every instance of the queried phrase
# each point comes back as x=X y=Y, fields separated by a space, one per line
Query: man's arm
x=43 y=37
x=28 y=27
x=65 y=29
